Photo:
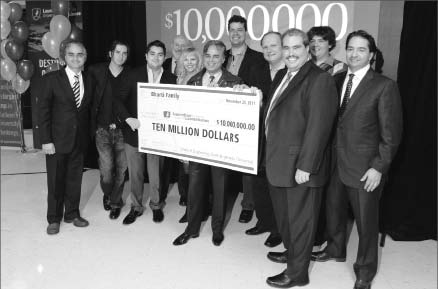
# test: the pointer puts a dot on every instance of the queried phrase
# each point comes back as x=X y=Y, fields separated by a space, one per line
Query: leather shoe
x=183 y=218
x=157 y=215
x=245 y=216
x=273 y=240
x=114 y=213
x=106 y=203
x=217 y=239
x=53 y=228
x=278 y=257
x=184 y=238
x=323 y=256
x=283 y=281
x=255 y=231
x=78 y=221
x=131 y=217
x=361 y=284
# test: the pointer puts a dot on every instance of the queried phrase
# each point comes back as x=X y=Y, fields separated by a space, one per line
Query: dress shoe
x=323 y=256
x=131 y=217
x=217 y=239
x=278 y=257
x=245 y=216
x=53 y=228
x=361 y=284
x=255 y=231
x=157 y=215
x=283 y=281
x=273 y=240
x=183 y=218
x=78 y=221
x=182 y=202
x=106 y=203
x=184 y=238
x=114 y=213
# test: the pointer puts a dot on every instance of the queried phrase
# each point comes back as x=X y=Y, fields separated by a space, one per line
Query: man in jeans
x=107 y=128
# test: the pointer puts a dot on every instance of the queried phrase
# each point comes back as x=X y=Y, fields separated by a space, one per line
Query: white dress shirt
x=206 y=78
x=357 y=78
x=151 y=75
x=71 y=78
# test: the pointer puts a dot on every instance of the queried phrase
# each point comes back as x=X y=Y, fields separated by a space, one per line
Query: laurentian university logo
x=36 y=14
x=166 y=114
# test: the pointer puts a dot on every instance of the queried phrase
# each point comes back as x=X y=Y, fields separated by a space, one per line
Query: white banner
x=210 y=125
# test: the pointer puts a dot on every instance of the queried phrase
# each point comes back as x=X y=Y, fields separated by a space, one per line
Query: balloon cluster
x=60 y=29
x=13 y=35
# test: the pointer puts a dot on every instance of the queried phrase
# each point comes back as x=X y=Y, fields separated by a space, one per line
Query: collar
x=217 y=75
x=240 y=50
x=70 y=73
x=150 y=70
x=360 y=73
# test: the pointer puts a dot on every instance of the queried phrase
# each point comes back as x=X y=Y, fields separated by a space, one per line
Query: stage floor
x=110 y=255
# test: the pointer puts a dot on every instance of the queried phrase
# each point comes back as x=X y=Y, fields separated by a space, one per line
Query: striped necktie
x=77 y=91
x=346 y=95
x=275 y=98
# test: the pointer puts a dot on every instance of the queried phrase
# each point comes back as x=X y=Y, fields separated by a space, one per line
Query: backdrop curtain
x=409 y=202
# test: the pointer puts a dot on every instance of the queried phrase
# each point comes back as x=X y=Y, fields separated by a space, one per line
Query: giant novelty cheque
x=210 y=125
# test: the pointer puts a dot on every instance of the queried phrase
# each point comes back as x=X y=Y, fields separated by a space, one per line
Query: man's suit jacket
x=251 y=62
x=60 y=121
x=126 y=102
x=299 y=127
x=370 y=129
x=167 y=64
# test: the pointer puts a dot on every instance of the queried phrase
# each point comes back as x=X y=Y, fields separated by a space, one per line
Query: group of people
x=328 y=133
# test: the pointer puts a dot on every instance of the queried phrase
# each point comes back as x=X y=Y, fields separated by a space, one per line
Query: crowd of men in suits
x=328 y=133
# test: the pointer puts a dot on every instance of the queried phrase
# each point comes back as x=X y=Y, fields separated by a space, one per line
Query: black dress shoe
x=255 y=231
x=78 y=221
x=278 y=257
x=183 y=218
x=283 y=281
x=53 y=228
x=361 y=284
x=131 y=217
x=106 y=203
x=217 y=239
x=323 y=256
x=273 y=240
x=184 y=238
x=157 y=215
x=245 y=216
x=114 y=213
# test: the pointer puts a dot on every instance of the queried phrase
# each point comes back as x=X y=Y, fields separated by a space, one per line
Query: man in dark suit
x=368 y=133
x=64 y=127
x=298 y=120
x=243 y=62
x=180 y=43
x=126 y=110
x=212 y=75
x=107 y=129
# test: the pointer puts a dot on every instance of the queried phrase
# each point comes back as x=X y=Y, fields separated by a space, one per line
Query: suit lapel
x=277 y=80
x=359 y=91
x=87 y=92
x=66 y=84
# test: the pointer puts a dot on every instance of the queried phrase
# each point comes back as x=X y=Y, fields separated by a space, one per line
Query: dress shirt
x=151 y=75
x=206 y=78
x=71 y=78
x=358 y=75
x=235 y=60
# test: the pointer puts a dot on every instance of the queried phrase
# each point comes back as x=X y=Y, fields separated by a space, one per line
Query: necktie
x=211 y=80
x=77 y=91
x=275 y=98
x=346 y=95
x=175 y=71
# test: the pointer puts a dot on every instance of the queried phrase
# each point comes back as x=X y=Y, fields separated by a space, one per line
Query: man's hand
x=372 y=178
x=133 y=123
x=301 y=176
x=48 y=148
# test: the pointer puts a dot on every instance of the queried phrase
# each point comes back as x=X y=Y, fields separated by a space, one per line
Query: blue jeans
x=112 y=164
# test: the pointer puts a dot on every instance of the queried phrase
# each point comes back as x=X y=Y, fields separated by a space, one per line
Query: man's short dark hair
x=156 y=43
x=268 y=33
x=66 y=44
x=325 y=32
x=119 y=42
x=216 y=43
x=296 y=32
x=362 y=33
x=238 y=19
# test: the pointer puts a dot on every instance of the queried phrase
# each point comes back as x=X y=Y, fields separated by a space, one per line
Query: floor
x=110 y=255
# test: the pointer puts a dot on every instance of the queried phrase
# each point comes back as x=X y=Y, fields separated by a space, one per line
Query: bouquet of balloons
x=14 y=33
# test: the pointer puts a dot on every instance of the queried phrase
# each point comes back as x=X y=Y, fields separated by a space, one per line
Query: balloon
x=59 y=7
x=5 y=10
x=7 y=69
x=2 y=48
x=60 y=27
x=25 y=69
x=14 y=50
x=20 y=31
x=75 y=34
x=50 y=45
x=16 y=12
x=19 y=84
x=5 y=28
